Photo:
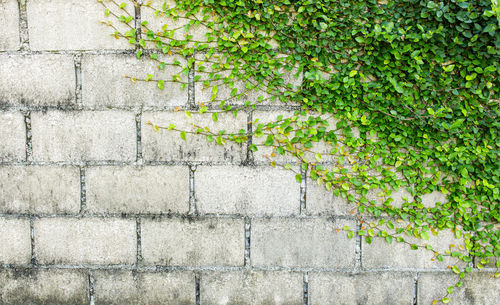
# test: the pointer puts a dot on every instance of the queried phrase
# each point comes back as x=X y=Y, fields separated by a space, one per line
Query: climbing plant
x=390 y=97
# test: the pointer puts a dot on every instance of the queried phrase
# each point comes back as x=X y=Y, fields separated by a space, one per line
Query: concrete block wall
x=96 y=207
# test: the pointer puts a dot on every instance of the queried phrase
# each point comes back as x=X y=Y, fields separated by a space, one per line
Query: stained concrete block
x=364 y=288
x=320 y=201
x=247 y=190
x=148 y=189
x=105 y=84
x=166 y=145
x=37 y=80
x=85 y=241
x=251 y=287
x=137 y=288
x=84 y=136
x=44 y=286
x=184 y=242
x=12 y=136
x=74 y=25
x=478 y=288
x=15 y=241
x=39 y=189
x=380 y=254
x=9 y=23
x=301 y=243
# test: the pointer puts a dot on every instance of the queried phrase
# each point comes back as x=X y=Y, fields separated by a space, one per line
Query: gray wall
x=96 y=207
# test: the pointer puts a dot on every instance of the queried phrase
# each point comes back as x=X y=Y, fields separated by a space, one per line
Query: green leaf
x=183 y=135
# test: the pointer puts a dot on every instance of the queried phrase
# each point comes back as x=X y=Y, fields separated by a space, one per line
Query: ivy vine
x=396 y=95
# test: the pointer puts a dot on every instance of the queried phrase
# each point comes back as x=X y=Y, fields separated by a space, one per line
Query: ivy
x=404 y=94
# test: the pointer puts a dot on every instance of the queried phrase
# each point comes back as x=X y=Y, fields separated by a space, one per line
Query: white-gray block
x=44 y=286
x=301 y=243
x=105 y=84
x=380 y=254
x=39 y=189
x=9 y=23
x=117 y=287
x=478 y=288
x=73 y=25
x=85 y=241
x=12 y=136
x=37 y=80
x=148 y=189
x=190 y=242
x=167 y=145
x=251 y=287
x=15 y=241
x=247 y=190
x=363 y=288
x=320 y=201
x=84 y=136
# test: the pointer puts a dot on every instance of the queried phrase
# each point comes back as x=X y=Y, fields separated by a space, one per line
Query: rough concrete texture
x=37 y=80
x=246 y=190
x=31 y=286
x=9 y=23
x=362 y=288
x=105 y=84
x=12 y=136
x=380 y=254
x=84 y=136
x=478 y=288
x=39 y=189
x=85 y=241
x=320 y=201
x=301 y=243
x=185 y=242
x=148 y=189
x=251 y=287
x=166 y=145
x=430 y=200
x=15 y=241
x=139 y=288
x=73 y=25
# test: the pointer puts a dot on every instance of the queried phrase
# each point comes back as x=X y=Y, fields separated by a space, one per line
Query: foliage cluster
x=403 y=94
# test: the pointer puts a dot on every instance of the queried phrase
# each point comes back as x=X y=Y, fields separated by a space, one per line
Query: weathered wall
x=98 y=208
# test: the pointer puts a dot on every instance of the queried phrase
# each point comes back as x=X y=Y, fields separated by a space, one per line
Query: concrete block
x=301 y=243
x=251 y=287
x=37 y=80
x=138 y=288
x=39 y=189
x=85 y=241
x=149 y=189
x=320 y=201
x=9 y=23
x=247 y=190
x=184 y=242
x=74 y=25
x=166 y=145
x=363 y=288
x=105 y=84
x=44 y=286
x=478 y=288
x=12 y=136
x=15 y=239
x=84 y=136
x=380 y=254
